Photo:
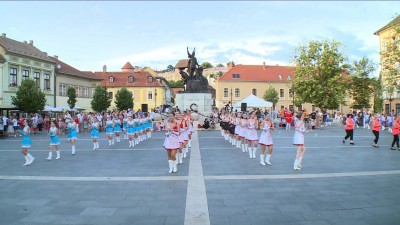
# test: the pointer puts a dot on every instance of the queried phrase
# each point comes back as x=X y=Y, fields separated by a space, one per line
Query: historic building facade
x=386 y=37
x=146 y=89
x=19 y=61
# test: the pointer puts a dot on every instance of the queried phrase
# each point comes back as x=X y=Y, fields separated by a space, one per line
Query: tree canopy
x=124 y=99
x=206 y=65
x=100 y=101
x=71 y=93
x=28 y=97
x=320 y=74
x=176 y=84
x=360 y=90
x=271 y=95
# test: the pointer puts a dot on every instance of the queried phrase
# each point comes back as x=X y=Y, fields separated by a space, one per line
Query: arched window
x=254 y=91
x=237 y=92
x=225 y=92
x=150 y=79
x=111 y=79
x=131 y=79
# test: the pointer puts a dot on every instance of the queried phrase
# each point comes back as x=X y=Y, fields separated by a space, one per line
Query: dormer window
x=289 y=77
x=235 y=75
x=111 y=79
x=280 y=77
x=150 y=79
x=130 y=79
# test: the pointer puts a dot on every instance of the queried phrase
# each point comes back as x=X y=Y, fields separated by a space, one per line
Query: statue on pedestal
x=193 y=79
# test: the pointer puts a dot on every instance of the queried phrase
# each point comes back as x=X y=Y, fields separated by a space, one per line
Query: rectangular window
x=282 y=93
x=235 y=75
x=110 y=95
x=291 y=108
x=387 y=108
x=25 y=74
x=397 y=110
x=225 y=92
x=79 y=92
x=150 y=95
x=290 y=93
x=254 y=91
x=300 y=108
x=63 y=90
x=36 y=77
x=237 y=92
x=13 y=77
x=47 y=81
x=85 y=92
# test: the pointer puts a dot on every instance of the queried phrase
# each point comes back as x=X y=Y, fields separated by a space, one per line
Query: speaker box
x=243 y=107
x=144 y=108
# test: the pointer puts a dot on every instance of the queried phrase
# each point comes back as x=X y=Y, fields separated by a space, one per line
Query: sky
x=88 y=35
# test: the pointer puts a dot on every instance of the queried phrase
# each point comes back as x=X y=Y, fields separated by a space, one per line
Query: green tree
x=378 y=99
x=124 y=99
x=219 y=65
x=71 y=93
x=206 y=65
x=360 y=90
x=319 y=74
x=271 y=95
x=100 y=101
x=170 y=68
x=390 y=56
x=176 y=84
x=29 y=98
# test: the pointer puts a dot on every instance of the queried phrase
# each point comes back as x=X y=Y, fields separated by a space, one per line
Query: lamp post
x=155 y=100
x=231 y=101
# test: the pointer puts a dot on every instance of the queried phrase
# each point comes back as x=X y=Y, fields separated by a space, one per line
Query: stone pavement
x=216 y=184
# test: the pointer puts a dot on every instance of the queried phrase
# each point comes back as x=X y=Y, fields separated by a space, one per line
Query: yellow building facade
x=387 y=35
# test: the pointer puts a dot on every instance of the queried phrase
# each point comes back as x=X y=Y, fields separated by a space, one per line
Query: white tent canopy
x=253 y=102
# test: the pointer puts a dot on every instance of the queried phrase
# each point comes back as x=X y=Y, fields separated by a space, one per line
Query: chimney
x=104 y=68
x=4 y=35
x=264 y=67
x=56 y=56
x=31 y=42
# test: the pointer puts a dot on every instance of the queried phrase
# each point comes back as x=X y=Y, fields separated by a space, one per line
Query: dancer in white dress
x=171 y=143
x=266 y=140
x=251 y=135
x=298 y=140
x=243 y=131
x=237 y=129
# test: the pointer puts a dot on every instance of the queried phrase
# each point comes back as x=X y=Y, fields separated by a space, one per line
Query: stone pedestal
x=203 y=101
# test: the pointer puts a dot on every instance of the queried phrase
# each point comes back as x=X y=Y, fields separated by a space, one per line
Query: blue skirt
x=54 y=140
x=94 y=134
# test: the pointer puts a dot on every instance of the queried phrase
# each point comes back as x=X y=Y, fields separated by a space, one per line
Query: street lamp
x=231 y=102
x=155 y=100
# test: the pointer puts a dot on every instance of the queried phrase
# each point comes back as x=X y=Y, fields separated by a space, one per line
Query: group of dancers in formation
x=134 y=127
x=240 y=129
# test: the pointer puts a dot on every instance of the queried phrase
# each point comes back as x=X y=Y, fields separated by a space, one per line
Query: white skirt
x=171 y=142
x=298 y=138
x=266 y=138
x=251 y=135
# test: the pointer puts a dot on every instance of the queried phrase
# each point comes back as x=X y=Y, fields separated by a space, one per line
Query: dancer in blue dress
x=131 y=131
x=110 y=130
x=125 y=127
x=26 y=143
x=54 y=140
x=95 y=133
x=137 y=129
x=117 y=128
x=72 y=134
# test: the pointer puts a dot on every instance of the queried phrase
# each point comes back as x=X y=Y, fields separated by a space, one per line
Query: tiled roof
x=140 y=79
x=128 y=65
x=69 y=70
x=22 y=48
x=259 y=73
x=183 y=63
x=2 y=59
x=390 y=24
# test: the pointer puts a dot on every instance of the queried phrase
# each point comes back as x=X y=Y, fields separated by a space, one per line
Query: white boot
x=262 y=159
x=170 y=163
x=254 y=152
x=26 y=161
x=222 y=132
x=109 y=142
x=299 y=162
x=190 y=143
x=97 y=145
x=187 y=149
x=295 y=165
x=267 y=159
x=175 y=166
x=94 y=145
x=249 y=149
x=130 y=144
x=243 y=146
x=73 y=150
x=184 y=154
x=30 y=159
x=58 y=155
x=180 y=158
x=50 y=156
x=246 y=147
